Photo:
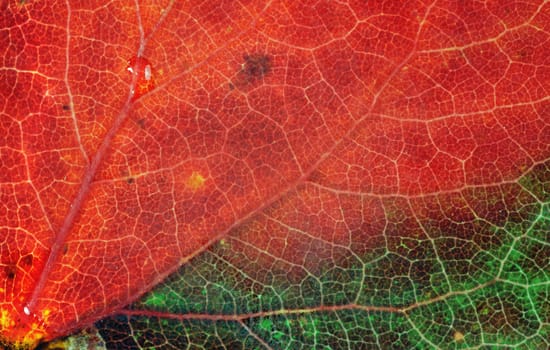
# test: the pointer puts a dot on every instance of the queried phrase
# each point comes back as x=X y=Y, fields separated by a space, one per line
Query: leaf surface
x=338 y=174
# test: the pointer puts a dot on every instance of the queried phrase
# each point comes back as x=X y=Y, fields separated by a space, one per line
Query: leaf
x=309 y=175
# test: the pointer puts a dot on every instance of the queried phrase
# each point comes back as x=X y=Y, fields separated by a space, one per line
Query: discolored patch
x=141 y=123
x=86 y=339
x=254 y=68
x=10 y=271
x=26 y=261
x=458 y=336
x=195 y=181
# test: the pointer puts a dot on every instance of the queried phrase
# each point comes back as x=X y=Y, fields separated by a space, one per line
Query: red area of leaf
x=270 y=120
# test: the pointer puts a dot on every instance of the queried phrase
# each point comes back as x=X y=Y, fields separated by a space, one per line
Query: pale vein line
x=403 y=310
x=83 y=191
x=248 y=316
x=68 y=87
x=254 y=335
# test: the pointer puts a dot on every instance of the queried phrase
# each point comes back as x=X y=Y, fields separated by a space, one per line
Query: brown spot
x=130 y=180
x=141 y=123
x=458 y=336
x=26 y=260
x=66 y=107
x=253 y=68
x=10 y=271
x=256 y=66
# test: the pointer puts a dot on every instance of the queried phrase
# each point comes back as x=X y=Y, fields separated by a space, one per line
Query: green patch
x=266 y=324
x=489 y=287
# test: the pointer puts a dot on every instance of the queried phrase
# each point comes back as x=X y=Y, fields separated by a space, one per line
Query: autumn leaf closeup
x=274 y=174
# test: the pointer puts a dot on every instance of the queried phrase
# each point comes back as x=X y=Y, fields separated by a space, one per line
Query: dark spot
x=130 y=180
x=26 y=260
x=10 y=271
x=256 y=65
x=252 y=70
x=66 y=107
x=141 y=123
x=65 y=249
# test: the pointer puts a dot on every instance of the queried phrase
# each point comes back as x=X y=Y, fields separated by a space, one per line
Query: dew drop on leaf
x=143 y=72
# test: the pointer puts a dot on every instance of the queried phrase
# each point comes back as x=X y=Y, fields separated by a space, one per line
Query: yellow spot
x=35 y=335
x=45 y=314
x=5 y=320
x=458 y=336
x=58 y=344
x=23 y=3
x=21 y=336
x=195 y=181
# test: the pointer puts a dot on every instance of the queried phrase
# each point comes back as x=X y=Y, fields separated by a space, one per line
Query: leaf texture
x=275 y=175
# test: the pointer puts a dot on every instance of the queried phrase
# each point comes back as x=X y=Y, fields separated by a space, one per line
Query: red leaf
x=138 y=135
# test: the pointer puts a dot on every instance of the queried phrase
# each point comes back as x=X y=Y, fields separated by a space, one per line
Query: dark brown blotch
x=141 y=123
x=10 y=271
x=26 y=261
x=256 y=65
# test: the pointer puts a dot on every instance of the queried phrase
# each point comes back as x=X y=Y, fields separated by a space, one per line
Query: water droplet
x=141 y=68
x=148 y=72
x=26 y=311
